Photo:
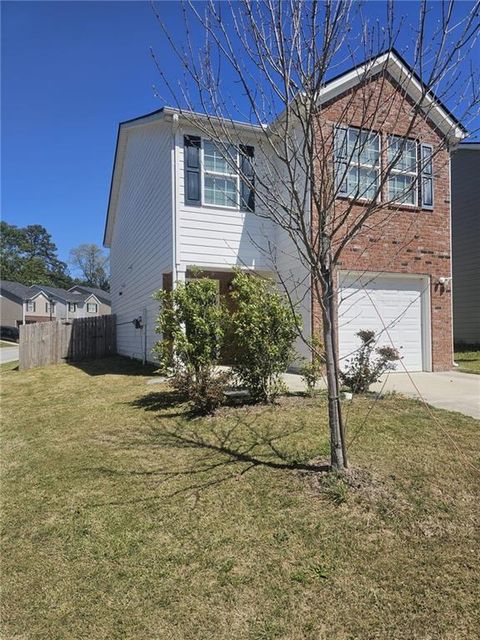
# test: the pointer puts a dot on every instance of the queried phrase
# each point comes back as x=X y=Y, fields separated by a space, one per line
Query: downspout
x=174 y=200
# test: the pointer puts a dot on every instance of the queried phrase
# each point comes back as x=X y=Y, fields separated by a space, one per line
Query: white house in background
x=175 y=206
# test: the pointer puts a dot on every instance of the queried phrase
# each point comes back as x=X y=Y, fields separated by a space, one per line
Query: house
x=174 y=207
x=465 y=243
x=43 y=303
x=97 y=301
x=12 y=296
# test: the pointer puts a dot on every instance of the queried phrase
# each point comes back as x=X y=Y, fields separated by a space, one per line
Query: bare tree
x=323 y=186
x=92 y=262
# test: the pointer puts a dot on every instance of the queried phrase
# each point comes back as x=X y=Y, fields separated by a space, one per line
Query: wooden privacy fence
x=45 y=343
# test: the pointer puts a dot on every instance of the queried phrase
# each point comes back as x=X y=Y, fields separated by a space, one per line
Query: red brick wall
x=404 y=240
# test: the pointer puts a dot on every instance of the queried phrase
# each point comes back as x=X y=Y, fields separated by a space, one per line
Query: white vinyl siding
x=217 y=236
x=141 y=245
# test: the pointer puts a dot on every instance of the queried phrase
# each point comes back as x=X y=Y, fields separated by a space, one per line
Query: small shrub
x=263 y=328
x=363 y=369
x=312 y=370
x=191 y=322
x=206 y=390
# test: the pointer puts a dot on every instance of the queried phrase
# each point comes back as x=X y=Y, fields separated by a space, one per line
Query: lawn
x=125 y=517
x=468 y=360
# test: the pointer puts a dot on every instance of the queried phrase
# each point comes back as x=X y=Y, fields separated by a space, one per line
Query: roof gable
x=399 y=70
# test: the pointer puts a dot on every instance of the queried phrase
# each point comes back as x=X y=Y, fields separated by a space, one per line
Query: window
x=49 y=307
x=72 y=306
x=31 y=306
x=91 y=307
x=427 y=176
x=357 y=162
x=216 y=180
x=402 y=183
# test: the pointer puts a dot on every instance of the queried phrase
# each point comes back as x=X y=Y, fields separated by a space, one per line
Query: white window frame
x=31 y=306
x=50 y=307
x=403 y=172
x=72 y=307
x=350 y=163
x=92 y=304
x=231 y=175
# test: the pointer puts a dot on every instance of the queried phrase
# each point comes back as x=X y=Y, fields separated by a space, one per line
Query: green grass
x=126 y=518
x=468 y=361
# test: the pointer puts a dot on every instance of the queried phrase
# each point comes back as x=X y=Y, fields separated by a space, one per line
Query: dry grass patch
x=124 y=517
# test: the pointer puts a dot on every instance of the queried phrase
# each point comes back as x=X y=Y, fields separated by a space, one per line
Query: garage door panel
x=391 y=306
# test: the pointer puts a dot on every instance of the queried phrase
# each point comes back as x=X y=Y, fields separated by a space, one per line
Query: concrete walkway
x=450 y=390
x=9 y=354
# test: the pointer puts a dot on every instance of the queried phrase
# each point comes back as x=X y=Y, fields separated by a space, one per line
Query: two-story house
x=175 y=205
x=43 y=303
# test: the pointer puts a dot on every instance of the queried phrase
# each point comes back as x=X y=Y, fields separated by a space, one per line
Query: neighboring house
x=97 y=301
x=12 y=295
x=466 y=243
x=168 y=213
x=44 y=303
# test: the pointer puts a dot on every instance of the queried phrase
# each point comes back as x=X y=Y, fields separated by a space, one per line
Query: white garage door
x=382 y=303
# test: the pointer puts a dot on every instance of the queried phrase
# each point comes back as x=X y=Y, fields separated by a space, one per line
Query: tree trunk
x=337 y=446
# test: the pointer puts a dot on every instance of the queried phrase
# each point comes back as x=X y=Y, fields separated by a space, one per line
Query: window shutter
x=341 y=158
x=427 y=176
x=247 y=194
x=192 y=145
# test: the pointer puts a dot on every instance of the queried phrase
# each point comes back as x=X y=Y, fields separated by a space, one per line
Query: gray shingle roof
x=102 y=295
x=15 y=289
x=63 y=294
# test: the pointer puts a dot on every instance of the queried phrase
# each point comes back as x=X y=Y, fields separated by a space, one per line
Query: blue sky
x=70 y=72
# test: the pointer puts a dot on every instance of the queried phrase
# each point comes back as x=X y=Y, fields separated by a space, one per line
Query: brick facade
x=401 y=240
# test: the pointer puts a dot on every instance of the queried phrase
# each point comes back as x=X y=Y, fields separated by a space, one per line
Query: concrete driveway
x=450 y=390
x=9 y=354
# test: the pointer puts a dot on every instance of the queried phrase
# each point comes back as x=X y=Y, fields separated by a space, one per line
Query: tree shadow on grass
x=115 y=365
x=217 y=449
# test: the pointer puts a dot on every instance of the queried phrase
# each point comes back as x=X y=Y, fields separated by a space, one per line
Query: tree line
x=28 y=255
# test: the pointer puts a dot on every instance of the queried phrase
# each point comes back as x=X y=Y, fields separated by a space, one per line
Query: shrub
x=263 y=328
x=312 y=370
x=191 y=322
x=362 y=369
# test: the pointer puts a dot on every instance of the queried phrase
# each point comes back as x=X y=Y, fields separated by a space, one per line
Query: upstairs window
x=31 y=305
x=72 y=306
x=357 y=162
x=91 y=307
x=49 y=307
x=213 y=174
x=402 y=182
x=220 y=175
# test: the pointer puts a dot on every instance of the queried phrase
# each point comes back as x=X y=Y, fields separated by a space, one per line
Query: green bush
x=263 y=329
x=192 y=322
x=362 y=369
x=312 y=370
